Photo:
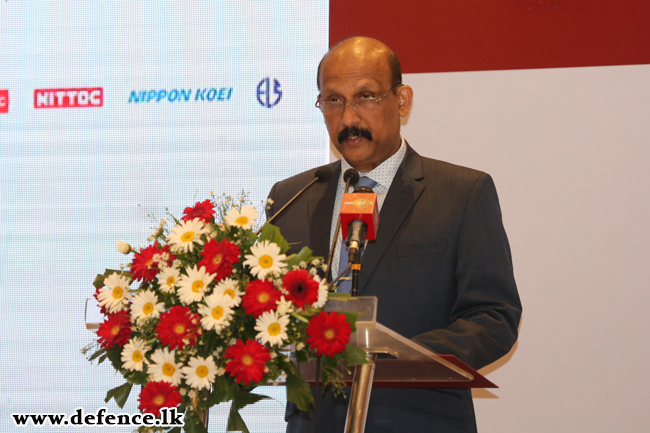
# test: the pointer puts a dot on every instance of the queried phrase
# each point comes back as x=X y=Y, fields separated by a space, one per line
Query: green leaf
x=244 y=398
x=340 y=296
x=249 y=329
x=291 y=368
x=99 y=279
x=241 y=399
x=115 y=355
x=272 y=234
x=222 y=390
x=97 y=354
x=352 y=355
x=175 y=430
x=302 y=356
x=193 y=423
x=305 y=255
x=140 y=377
x=298 y=392
x=309 y=311
x=235 y=421
x=351 y=318
x=120 y=394
x=328 y=364
x=299 y=317
x=217 y=397
x=102 y=359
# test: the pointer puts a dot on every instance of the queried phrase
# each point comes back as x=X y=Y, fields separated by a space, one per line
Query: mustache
x=349 y=131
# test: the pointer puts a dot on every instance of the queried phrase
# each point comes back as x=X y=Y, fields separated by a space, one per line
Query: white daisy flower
x=244 y=218
x=272 y=328
x=200 y=372
x=168 y=279
x=265 y=259
x=323 y=294
x=284 y=306
x=186 y=234
x=115 y=296
x=164 y=366
x=217 y=312
x=229 y=287
x=145 y=305
x=192 y=286
x=133 y=354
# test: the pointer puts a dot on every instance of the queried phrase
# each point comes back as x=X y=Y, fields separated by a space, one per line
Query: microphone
x=351 y=177
x=359 y=220
x=322 y=175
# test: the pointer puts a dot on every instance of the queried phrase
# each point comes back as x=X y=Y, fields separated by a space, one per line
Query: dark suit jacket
x=442 y=271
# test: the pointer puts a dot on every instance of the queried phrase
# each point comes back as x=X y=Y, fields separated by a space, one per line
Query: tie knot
x=366 y=181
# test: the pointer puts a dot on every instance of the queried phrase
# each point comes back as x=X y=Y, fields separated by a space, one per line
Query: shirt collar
x=384 y=173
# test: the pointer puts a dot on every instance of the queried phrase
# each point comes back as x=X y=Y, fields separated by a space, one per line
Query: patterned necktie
x=345 y=284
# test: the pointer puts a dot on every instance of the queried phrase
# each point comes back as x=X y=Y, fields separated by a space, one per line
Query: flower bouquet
x=215 y=308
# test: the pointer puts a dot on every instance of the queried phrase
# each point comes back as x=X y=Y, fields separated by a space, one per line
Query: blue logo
x=269 y=97
x=208 y=94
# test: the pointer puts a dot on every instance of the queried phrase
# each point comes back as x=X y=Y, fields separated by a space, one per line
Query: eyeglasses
x=364 y=102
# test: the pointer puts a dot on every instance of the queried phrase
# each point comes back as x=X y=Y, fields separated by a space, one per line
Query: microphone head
x=364 y=189
x=360 y=206
x=352 y=175
x=323 y=174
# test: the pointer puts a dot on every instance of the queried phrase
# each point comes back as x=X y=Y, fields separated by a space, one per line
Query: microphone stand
x=356 y=270
x=341 y=275
x=316 y=179
x=336 y=238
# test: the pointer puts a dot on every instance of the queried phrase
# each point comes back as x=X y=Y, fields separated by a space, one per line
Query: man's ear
x=405 y=97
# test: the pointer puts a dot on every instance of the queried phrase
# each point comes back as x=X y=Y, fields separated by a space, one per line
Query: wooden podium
x=393 y=362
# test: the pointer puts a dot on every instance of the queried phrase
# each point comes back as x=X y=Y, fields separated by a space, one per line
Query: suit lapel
x=321 y=208
x=402 y=195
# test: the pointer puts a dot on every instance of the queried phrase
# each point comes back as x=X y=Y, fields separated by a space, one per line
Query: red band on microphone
x=360 y=206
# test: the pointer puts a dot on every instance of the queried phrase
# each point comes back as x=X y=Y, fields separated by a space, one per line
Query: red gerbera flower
x=303 y=289
x=203 y=210
x=102 y=308
x=145 y=265
x=116 y=329
x=219 y=258
x=261 y=296
x=178 y=327
x=156 y=395
x=247 y=361
x=328 y=333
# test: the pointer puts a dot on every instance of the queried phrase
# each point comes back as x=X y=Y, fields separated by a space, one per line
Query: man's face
x=365 y=137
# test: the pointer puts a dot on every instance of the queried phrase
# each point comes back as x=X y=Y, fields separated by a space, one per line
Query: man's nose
x=350 y=114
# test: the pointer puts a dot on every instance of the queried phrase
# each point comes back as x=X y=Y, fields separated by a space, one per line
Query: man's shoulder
x=435 y=169
x=300 y=180
x=436 y=165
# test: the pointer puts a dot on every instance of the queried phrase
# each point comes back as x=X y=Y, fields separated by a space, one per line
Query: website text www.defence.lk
x=168 y=418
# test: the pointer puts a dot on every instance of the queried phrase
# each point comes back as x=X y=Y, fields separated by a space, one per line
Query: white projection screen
x=111 y=112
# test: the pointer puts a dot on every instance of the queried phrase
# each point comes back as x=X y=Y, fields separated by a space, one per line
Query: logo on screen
x=4 y=101
x=268 y=96
x=84 y=97
x=208 y=94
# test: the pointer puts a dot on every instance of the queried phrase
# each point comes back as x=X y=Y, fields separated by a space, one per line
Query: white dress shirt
x=383 y=174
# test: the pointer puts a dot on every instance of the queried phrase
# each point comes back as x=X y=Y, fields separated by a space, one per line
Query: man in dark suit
x=440 y=266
